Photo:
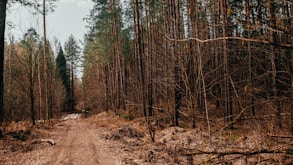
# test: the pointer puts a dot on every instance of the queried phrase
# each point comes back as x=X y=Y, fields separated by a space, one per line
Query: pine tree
x=62 y=72
x=72 y=55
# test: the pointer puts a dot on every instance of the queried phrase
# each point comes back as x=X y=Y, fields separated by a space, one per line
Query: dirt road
x=76 y=143
x=79 y=143
x=105 y=139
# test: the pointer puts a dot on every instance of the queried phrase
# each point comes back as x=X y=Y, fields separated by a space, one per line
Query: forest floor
x=105 y=139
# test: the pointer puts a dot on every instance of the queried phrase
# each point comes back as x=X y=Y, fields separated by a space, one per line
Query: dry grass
x=248 y=134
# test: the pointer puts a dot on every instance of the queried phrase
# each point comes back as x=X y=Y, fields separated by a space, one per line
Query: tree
x=62 y=71
x=3 y=7
x=29 y=44
x=3 y=4
x=72 y=55
x=45 y=10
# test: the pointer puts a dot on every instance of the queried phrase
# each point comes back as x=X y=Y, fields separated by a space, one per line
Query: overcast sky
x=65 y=20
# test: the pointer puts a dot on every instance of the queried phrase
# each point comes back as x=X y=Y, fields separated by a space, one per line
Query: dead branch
x=246 y=153
x=227 y=38
x=280 y=136
x=264 y=116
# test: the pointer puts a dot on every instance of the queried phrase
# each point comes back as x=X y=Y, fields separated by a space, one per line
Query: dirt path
x=76 y=142
x=79 y=143
x=105 y=139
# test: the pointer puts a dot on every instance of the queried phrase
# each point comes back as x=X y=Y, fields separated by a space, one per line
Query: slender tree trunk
x=249 y=84
x=40 y=87
x=174 y=17
x=228 y=100
x=31 y=87
x=273 y=58
x=45 y=60
x=290 y=52
x=3 y=4
x=9 y=79
x=72 y=102
x=140 y=52
x=149 y=67
x=149 y=58
x=106 y=87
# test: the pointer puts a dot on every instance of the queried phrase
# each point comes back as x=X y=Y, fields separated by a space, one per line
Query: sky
x=67 y=19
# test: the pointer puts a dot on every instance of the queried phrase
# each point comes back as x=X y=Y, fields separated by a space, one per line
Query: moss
x=233 y=138
x=127 y=116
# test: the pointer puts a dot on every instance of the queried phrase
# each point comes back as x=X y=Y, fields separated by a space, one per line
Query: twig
x=280 y=136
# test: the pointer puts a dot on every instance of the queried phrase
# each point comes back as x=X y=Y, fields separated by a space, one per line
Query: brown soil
x=75 y=142
x=106 y=139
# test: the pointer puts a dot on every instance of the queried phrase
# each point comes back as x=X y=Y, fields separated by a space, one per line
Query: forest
x=180 y=58
x=215 y=66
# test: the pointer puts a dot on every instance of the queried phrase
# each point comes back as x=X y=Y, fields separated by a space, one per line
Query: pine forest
x=164 y=81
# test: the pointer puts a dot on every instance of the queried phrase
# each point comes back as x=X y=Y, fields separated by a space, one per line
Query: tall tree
x=72 y=55
x=46 y=9
x=29 y=43
x=45 y=61
x=63 y=75
x=3 y=4
x=139 y=51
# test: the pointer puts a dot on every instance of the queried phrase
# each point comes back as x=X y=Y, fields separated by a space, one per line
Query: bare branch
x=231 y=38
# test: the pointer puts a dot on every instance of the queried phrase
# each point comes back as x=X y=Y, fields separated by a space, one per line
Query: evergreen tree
x=63 y=75
x=72 y=55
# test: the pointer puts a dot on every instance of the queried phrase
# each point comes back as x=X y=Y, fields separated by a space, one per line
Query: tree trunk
x=31 y=85
x=273 y=58
x=249 y=84
x=40 y=87
x=140 y=52
x=149 y=58
x=3 y=4
x=45 y=61
x=31 y=93
x=72 y=100
x=290 y=59
x=228 y=100
x=291 y=91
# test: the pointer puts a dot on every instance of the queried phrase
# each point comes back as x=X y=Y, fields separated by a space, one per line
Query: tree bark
x=3 y=4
